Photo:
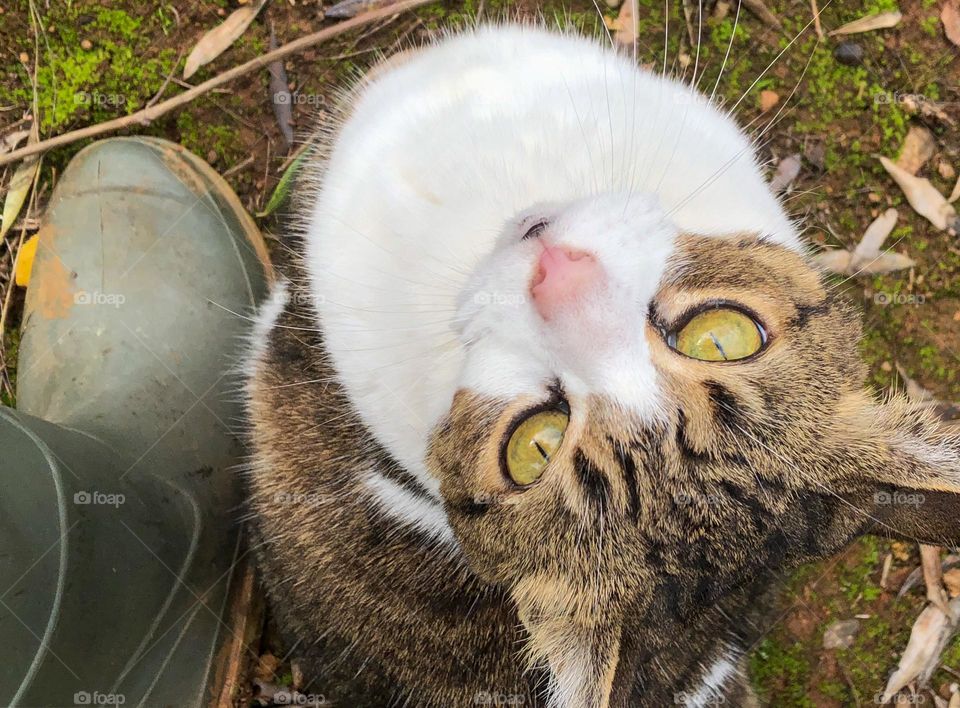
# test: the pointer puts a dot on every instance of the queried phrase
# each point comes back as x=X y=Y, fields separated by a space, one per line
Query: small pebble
x=886 y=366
x=212 y=156
x=874 y=197
x=86 y=44
x=849 y=53
x=24 y=57
x=946 y=170
x=840 y=635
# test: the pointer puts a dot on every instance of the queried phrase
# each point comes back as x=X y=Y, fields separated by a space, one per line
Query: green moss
x=115 y=76
x=780 y=671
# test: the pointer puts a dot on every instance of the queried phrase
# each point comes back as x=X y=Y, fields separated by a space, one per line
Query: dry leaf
x=836 y=260
x=918 y=147
x=280 y=95
x=768 y=99
x=25 y=256
x=219 y=39
x=950 y=16
x=883 y=20
x=929 y=635
x=955 y=194
x=952 y=580
x=11 y=141
x=923 y=196
x=625 y=34
x=869 y=247
x=867 y=257
x=19 y=187
x=346 y=9
x=787 y=171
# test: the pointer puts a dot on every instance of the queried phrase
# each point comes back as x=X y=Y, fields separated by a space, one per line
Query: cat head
x=646 y=414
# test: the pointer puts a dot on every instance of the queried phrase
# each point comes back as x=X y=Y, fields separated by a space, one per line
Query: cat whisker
x=726 y=56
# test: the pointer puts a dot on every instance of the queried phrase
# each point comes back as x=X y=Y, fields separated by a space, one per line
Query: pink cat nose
x=562 y=275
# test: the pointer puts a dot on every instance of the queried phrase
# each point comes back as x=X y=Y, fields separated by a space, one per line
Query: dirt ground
x=96 y=62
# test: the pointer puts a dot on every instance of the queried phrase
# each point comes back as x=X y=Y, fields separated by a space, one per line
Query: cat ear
x=900 y=466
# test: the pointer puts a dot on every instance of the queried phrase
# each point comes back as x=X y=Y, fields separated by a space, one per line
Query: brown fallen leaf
x=866 y=257
x=929 y=636
x=877 y=232
x=625 y=34
x=950 y=17
x=955 y=194
x=280 y=95
x=768 y=99
x=918 y=148
x=345 y=9
x=923 y=196
x=883 y=20
x=787 y=171
x=218 y=40
x=951 y=579
x=933 y=577
x=11 y=141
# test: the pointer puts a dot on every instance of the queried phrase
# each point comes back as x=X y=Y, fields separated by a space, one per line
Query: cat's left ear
x=900 y=466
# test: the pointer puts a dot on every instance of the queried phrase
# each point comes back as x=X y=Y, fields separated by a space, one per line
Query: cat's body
x=517 y=221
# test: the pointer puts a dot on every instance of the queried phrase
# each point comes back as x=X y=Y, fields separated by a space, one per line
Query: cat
x=550 y=390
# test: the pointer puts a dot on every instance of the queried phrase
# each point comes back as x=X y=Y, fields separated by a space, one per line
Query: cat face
x=645 y=414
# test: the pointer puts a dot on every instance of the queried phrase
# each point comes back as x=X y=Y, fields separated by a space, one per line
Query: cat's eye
x=532 y=443
x=719 y=334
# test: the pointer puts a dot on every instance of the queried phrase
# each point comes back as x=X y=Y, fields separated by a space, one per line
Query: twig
x=763 y=12
x=147 y=115
x=166 y=81
x=239 y=166
x=816 y=19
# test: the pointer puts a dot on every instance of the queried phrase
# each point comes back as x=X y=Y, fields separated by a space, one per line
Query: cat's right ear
x=900 y=466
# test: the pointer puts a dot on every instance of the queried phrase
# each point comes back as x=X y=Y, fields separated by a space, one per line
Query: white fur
x=264 y=320
x=409 y=508
x=413 y=247
x=711 y=691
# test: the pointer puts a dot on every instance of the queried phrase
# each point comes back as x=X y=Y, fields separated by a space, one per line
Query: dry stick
x=147 y=115
x=762 y=11
x=816 y=19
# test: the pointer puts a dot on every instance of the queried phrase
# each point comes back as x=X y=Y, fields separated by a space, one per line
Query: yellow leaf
x=17 y=192
x=25 y=261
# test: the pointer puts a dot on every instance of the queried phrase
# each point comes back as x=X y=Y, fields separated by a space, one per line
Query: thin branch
x=151 y=113
x=816 y=18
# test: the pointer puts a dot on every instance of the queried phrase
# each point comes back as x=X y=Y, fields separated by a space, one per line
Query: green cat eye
x=719 y=334
x=533 y=443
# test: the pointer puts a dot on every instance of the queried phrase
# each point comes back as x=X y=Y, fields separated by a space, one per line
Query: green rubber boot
x=118 y=521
